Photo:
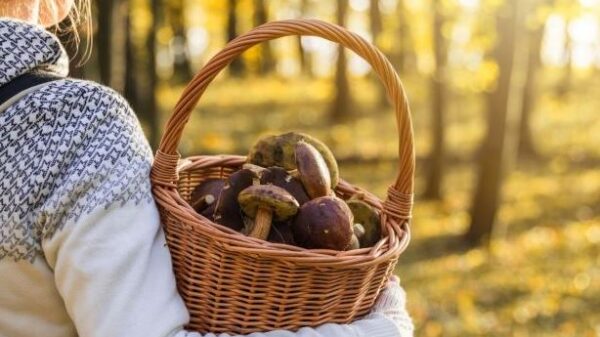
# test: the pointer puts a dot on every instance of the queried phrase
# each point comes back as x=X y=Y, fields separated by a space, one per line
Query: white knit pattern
x=65 y=150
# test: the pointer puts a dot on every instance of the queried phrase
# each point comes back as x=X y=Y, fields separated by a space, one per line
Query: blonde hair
x=78 y=20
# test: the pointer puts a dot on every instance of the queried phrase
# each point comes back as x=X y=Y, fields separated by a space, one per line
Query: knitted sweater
x=82 y=252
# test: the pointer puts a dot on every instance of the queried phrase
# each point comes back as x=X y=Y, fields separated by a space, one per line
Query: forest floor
x=540 y=276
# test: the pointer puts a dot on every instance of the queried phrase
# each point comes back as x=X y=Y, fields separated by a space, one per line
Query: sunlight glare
x=359 y=5
x=471 y=4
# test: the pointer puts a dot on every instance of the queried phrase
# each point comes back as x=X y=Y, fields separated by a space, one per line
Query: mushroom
x=354 y=244
x=325 y=222
x=206 y=194
x=264 y=203
x=312 y=170
x=227 y=210
x=358 y=229
x=278 y=176
x=368 y=218
x=279 y=151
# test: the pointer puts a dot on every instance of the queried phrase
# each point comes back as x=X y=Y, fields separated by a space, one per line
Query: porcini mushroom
x=354 y=244
x=312 y=170
x=206 y=194
x=279 y=151
x=227 y=211
x=265 y=203
x=278 y=176
x=358 y=229
x=368 y=217
x=325 y=222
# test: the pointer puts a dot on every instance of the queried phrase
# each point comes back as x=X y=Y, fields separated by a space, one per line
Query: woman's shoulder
x=71 y=89
x=87 y=115
x=87 y=103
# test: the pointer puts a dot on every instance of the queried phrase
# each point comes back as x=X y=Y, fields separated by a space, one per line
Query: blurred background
x=506 y=110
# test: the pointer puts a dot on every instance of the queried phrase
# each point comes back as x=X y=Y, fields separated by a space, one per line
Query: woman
x=81 y=247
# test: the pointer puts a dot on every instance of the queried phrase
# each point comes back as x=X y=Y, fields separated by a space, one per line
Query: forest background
x=505 y=104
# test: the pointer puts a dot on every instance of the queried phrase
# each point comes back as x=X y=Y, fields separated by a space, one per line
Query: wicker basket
x=237 y=284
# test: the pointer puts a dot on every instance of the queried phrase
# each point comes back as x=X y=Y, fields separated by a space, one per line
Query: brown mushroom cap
x=313 y=170
x=206 y=194
x=227 y=211
x=325 y=222
x=278 y=176
x=368 y=217
x=279 y=151
x=269 y=197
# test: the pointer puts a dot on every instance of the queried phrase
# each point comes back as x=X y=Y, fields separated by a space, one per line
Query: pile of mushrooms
x=284 y=194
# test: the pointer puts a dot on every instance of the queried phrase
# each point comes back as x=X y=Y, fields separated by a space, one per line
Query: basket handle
x=399 y=201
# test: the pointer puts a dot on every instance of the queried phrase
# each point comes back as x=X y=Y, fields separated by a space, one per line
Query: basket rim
x=390 y=246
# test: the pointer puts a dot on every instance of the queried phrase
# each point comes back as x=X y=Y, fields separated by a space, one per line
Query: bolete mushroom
x=325 y=222
x=264 y=203
x=278 y=176
x=312 y=170
x=354 y=244
x=280 y=151
x=358 y=229
x=368 y=217
x=206 y=194
x=227 y=211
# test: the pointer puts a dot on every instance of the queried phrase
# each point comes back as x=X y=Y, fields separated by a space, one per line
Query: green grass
x=541 y=275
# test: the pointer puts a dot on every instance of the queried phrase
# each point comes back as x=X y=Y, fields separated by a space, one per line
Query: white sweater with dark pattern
x=81 y=248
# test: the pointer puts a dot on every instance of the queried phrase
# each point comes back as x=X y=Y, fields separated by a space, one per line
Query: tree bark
x=111 y=46
x=149 y=113
x=267 y=60
x=526 y=147
x=376 y=29
x=564 y=84
x=304 y=56
x=237 y=67
x=182 y=68
x=402 y=41
x=131 y=80
x=486 y=197
x=438 y=101
x=342 y=102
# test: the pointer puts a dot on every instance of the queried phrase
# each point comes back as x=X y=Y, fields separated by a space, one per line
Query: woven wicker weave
x=237 y=284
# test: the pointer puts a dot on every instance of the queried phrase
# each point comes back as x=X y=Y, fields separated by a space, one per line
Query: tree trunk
x=149 y=81
x=111 y=45
x=438 y=101
x=375 y=20
x=490 y=164
x=182 y=68
x=131 y=80
x=402 y=41
x=526 y=147
x=104 y=36
x=564 y=85
x=267 y=60
x=237 y=67
x=342 y=102
x=304 y=56
x=376 y=28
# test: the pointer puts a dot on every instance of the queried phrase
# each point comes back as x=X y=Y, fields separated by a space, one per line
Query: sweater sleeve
x=104 y=242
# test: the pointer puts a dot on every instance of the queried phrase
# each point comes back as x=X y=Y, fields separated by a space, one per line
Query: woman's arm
x=106 y=246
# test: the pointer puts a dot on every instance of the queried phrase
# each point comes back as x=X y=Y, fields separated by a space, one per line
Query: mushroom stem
x=262 y=224
x=205 y=201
